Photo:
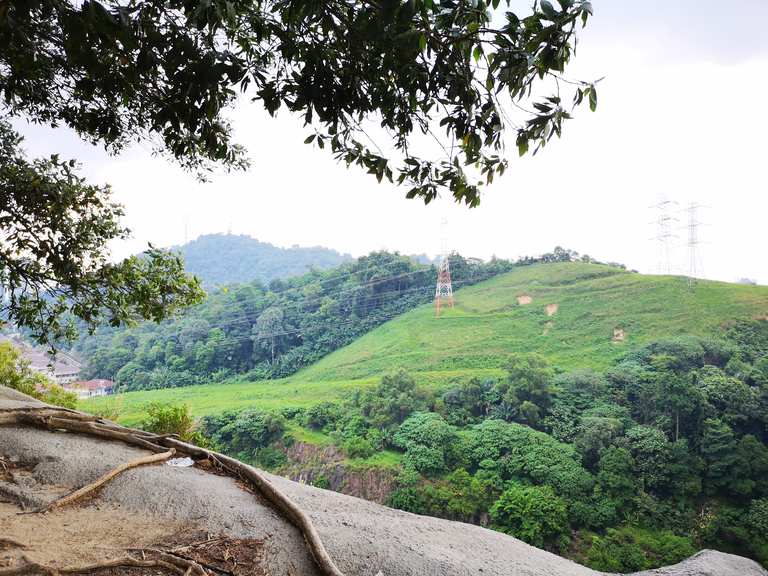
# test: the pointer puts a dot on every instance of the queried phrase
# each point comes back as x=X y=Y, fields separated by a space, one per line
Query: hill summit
x=222 y=259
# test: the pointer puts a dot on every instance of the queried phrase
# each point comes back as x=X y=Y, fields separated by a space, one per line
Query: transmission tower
x=693 y=244
x=443 y=289
x=664 y=235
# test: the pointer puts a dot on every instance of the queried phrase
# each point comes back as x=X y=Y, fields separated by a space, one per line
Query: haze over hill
x=222 y=259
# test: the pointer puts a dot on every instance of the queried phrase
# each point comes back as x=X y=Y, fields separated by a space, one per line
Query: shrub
x=167 y=418
x=629 y=549
x=321 y=416
x=533 y=514
x=357 y=447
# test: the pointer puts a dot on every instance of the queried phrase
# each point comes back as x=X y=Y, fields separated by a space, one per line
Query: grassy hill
x=575 y=314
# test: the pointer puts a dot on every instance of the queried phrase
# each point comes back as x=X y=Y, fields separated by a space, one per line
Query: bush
x=533 y=514
x=166 y=418
x=629 y=549
x=243 y=433
x=321 y=416
x=358 y=448
x=270 y=457
x=425 y=459
x=525 y=454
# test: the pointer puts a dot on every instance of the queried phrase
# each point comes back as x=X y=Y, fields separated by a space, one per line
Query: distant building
x=91 y=388
x=63 y=369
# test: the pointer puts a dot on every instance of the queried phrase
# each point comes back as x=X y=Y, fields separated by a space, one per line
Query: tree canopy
x=54 y=259
x=168 y=71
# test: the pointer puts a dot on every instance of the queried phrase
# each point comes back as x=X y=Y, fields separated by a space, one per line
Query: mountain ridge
x=223 y=259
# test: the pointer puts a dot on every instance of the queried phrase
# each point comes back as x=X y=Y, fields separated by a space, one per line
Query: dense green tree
x=728 y=398
x=528 y=388
x=718 y=449
x=395 y=398
x=428 y=441
x=594 y=434
x=533 y=514
x=521 y=453
x=269 y=329
x=650 y=449
x=54 y=260
x=616 y=476
x=628 y=550
x=102 y=68
x=468 y=402
x=244 y=433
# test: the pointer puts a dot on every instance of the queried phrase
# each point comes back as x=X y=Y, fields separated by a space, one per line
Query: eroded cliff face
x=327 y=467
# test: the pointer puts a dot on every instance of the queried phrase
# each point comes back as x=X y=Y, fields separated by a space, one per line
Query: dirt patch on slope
x=80 y=536
x=524 y=299
x=102 y=533
x=619 y=335
x=551 y=309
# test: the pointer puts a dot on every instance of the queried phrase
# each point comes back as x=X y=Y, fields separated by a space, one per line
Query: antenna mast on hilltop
x=443 y=289
x=693 y=244
x=664 y=234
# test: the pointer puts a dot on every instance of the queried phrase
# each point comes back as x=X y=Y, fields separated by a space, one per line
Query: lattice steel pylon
x=664 y=235
x=693 y=244
x=443 y=289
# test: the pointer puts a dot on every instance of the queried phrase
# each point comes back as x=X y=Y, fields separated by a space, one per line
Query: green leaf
x=548 y=10
x=592 y=98
x=423 y=42
x=478 y=53
x=309 y=139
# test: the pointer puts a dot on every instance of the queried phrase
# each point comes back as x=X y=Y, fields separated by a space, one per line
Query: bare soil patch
x=524 y=299
x=619 y=335
x=551 y=309
x=81 y=536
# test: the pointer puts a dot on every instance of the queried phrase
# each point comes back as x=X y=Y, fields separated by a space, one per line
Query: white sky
x=681 y=113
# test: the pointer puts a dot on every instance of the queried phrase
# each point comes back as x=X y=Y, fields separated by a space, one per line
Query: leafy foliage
x=54 y=264
x=532 y=513
x=621 y=494
x=168 y=71
x=173 y=419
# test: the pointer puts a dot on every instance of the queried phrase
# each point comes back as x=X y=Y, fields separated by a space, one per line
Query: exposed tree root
x=52 y=418
x=77 y=494
x=10 y=543
x=165 y=561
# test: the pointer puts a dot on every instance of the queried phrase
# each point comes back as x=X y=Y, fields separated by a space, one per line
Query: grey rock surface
x=362 y=537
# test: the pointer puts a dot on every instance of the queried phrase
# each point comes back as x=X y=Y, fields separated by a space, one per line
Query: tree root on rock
x=52 y=418
x=165 y=561
x=10 y=543
x=77 y=494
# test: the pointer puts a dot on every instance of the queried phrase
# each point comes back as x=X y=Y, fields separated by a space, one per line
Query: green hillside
x=592 y=300
x=487 y=324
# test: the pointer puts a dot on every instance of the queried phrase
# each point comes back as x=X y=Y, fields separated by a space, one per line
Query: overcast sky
x=681 y=114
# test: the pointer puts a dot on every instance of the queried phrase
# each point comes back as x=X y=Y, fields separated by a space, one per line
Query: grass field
x=487 y=325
